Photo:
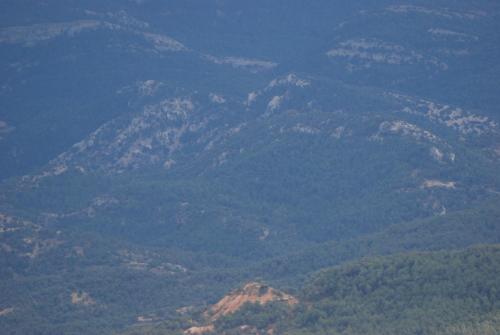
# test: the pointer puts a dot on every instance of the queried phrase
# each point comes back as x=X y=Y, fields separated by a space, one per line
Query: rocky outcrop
x=250 y=293
x=253 y=292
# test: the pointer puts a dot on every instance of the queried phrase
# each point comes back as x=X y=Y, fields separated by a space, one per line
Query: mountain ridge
x=156 y=156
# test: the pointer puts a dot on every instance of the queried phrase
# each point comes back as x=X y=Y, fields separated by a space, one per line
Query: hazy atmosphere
x=264 y=167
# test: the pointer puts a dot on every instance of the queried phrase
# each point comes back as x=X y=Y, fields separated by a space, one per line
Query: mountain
x=157 y=155
x=427 y=293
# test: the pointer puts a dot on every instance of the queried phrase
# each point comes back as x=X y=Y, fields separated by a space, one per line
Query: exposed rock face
x=146 y=138
x=199 y=330
x=29 y=36
x=374 y=51
x=255 y=293
x=442 y=13
x=408 y=130
x=82 y=298
x=439 y=184
x=252 y=293
x=252 y=65
x=463 y=122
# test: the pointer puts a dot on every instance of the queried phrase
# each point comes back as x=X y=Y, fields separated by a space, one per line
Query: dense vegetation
x=452 y=231
x=407 y=294
x=144 y=280
x=455 y=292
x=140 y=183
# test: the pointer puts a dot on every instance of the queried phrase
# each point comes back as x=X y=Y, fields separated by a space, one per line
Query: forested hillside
x=157 y=155
x=415 y=293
